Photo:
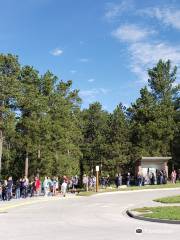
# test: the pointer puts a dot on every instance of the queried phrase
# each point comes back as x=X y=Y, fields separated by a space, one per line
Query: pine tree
x=94 y=132
x=118 y=144
x=152 y=116
x=9 y=90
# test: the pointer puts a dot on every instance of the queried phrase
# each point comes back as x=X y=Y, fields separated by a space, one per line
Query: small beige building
x=149 y=165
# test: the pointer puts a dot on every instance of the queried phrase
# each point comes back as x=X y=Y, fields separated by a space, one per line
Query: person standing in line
x=120 y=179
x=90 y=183
x=164 y=177
x=54 y=182
x=31 y=187
x=107 y=181
x=50 y=185
x=117 y=181
x=57 y=185
x=178 y=175
x=161 y=177
x=46 y=186
x=128 y=178
x=9 y=188
x=18 y=195
x=85 y=182
x=21 y=187
x=75 y=183
x=37 y=186
x=152 y=178
x=25 y=184
x=64 y=188
x=94 y=182
x=4 y=190
x=71 y=184
x=0 y=191
x=103 y=182
x=139 y=179
x=173 y=176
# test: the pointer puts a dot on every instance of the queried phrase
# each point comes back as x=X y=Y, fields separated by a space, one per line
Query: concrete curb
x=133 y=191
x=132 y=215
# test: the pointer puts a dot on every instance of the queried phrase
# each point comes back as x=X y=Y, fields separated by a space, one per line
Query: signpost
x=97 y=178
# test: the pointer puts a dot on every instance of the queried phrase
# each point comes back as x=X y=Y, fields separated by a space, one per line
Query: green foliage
x=44 y=125
x=152 y=117
x=118 y=142
x=40 y=118
x=94 y=127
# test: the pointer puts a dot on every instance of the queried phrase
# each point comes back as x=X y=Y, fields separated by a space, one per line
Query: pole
x=97 y=181
x=97 y=178
x=26 y=165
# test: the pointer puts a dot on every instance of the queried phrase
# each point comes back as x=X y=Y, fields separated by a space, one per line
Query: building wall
x=143 y=165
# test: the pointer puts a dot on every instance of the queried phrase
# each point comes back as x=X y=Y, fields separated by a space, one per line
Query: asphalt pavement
x=97 y=217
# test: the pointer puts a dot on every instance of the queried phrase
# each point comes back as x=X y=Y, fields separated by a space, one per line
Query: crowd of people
x=24 y=187
x=52 y=186
x=151 y=178
x=160 y=177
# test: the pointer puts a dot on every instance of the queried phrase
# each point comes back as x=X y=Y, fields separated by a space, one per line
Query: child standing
x=64 y=188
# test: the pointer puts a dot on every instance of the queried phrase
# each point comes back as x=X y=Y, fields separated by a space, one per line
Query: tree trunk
x=26 y=165
x=39 y=153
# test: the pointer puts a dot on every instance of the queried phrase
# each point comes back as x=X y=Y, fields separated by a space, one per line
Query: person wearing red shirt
x=37 y=186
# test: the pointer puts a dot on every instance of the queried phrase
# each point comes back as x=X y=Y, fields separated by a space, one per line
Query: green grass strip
x=171 y=199
x=168 y=213
x=113 y=188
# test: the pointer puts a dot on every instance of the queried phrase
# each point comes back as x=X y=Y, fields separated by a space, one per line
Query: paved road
x=89 y=218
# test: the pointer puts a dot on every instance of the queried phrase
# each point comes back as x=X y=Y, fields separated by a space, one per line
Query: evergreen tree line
x=44 y=131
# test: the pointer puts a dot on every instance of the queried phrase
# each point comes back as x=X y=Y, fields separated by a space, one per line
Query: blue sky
x=105 y=47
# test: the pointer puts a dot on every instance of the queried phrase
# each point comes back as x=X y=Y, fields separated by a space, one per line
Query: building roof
x=156 y=158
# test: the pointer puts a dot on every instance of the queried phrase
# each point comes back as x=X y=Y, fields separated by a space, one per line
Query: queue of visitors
x=25 y=187
x=159 y=178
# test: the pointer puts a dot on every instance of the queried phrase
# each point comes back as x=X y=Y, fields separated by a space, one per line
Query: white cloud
x=143 y=52
x=139 y=71
x=56 y=52
x=103 y=90
x=115 y=10
x=151 y=52
x=131 y=33
x=84 y=60
x=126 y=105
x=73 y=71
x=168 y=15
x=145 y=55
x=91 y=80
x=92 y=94
x=89 y=93
x=176 y=84
x=143 y=48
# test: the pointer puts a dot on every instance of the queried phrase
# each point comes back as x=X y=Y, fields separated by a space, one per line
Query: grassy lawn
x=86 y=194
x=113 y=189
x=173 y=199
x=169 y=185
x=170 y=213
